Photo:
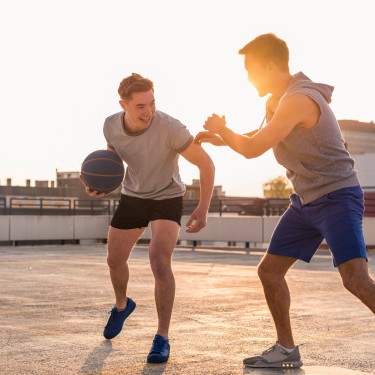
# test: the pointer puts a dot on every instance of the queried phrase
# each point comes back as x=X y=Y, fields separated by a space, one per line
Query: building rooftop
x=357 y=126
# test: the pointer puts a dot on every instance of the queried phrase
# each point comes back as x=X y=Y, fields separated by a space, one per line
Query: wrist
x=221 y=130
x=203 y=205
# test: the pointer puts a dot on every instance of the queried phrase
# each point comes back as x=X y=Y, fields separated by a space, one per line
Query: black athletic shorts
x=135 y=212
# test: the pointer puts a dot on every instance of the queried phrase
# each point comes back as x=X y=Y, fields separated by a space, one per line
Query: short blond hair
x=266 y=48
x=132 y=84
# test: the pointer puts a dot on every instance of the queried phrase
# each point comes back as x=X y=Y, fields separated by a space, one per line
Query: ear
x=122 y=104
x=271 y=66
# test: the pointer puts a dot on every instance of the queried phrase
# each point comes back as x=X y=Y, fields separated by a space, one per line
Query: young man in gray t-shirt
x=150 y=142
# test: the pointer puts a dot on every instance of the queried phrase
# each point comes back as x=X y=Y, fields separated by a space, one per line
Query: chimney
x=9 y=182
x=52 y=184
x=28 y=183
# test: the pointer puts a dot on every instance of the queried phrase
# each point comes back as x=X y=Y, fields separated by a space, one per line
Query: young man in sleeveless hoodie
x=150 y=142
x=327 y=201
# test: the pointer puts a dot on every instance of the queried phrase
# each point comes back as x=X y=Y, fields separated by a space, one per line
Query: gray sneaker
x=275 y=357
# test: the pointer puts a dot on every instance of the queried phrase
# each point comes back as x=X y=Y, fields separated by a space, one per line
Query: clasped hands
x=213 y=125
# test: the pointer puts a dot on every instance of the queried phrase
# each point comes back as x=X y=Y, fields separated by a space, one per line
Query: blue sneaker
x=160 y=349
x=117 y=319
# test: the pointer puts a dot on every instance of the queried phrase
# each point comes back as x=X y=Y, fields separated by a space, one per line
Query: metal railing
x=370 y=204
x=39 y=206
x=3 y=206
x=50 y=206
x=65 y=206
x=92 y=207
x=220 y=206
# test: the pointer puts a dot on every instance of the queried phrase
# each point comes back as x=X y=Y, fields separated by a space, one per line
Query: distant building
x=67 y=179
x=360 y=142
x=359 y=136
x=193 y=190
x=42 y=183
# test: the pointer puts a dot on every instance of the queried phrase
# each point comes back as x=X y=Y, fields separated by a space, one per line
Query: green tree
x=278 y=187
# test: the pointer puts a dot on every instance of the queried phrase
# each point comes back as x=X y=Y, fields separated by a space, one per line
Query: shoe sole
x=294 y=364
x=157 y=361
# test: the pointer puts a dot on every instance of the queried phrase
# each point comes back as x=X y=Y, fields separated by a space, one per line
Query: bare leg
x=271 y=271
x=164 y=238
x=356 y=279
x=120 y=245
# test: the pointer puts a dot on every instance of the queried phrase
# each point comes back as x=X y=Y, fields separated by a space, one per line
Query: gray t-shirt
x=151 y=155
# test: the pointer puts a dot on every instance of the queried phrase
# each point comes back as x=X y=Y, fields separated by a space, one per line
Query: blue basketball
x=103 y=171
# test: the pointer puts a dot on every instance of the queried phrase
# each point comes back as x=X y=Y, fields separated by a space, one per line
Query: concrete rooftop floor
x=54 y=301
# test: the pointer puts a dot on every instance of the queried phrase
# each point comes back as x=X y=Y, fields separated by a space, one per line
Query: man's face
x=258 y=74
x=140 y=108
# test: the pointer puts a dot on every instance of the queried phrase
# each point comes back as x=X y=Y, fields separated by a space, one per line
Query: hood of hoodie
x=301 y=81
x=298 y=84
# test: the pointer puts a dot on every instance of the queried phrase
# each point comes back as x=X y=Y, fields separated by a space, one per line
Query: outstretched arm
x=196 y=155
x=214 y=139
x=295 y=110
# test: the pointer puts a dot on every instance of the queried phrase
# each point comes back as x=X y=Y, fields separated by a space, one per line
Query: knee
x=264 y=274
x=160 y=268
x=354 y=284
x=114 y=261
x=267 y=276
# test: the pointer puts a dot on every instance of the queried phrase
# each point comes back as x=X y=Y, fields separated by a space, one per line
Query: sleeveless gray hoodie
x=316 y=160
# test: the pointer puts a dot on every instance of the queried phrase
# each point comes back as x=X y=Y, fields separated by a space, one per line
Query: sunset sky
x=61 y=63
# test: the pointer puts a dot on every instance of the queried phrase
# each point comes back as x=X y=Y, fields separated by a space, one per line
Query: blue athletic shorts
x=336 y=217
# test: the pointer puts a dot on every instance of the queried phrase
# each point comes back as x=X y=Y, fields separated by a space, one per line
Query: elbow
x=249 y=154
x=249 y=150
x=211 y=168
x=211 y=165
x=253 y=148
x=207 y=167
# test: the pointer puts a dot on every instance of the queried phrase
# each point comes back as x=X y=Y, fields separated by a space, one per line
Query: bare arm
x=250 y=134
x=196 y=155
x=214 y=139
x=296 y=110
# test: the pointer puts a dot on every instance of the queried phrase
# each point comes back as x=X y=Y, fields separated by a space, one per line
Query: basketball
x=102 y=171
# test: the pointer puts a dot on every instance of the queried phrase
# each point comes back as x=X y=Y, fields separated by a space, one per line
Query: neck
x=129 y=126
x=281 y=84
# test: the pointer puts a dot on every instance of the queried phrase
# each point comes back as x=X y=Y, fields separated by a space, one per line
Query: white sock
x=286 y=349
